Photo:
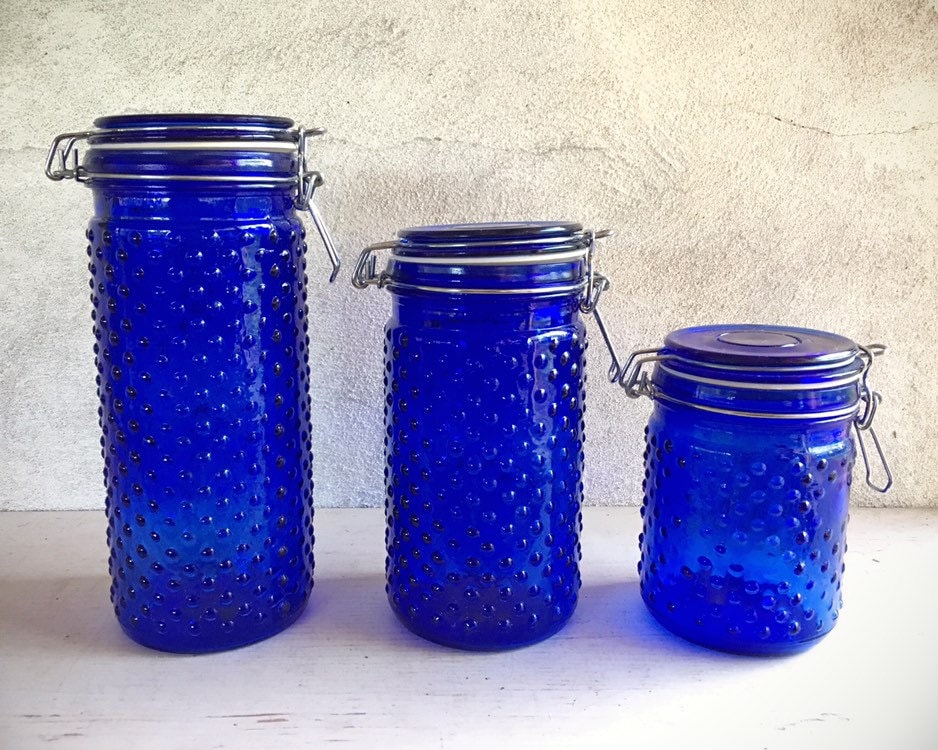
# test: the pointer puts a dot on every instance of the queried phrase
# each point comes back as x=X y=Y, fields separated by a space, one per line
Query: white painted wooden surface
x=348 y=673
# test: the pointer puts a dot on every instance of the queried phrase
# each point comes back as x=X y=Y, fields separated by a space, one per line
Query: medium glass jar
x=196 y=254
x=748 y=466
x=484 y=383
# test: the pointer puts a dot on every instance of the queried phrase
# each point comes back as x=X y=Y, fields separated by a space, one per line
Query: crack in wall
x=736 y=107
x=831 y=133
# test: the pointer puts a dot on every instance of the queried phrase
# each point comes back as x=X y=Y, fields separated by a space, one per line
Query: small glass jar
x=485 y=382
x=196 y=254
x=748 y=465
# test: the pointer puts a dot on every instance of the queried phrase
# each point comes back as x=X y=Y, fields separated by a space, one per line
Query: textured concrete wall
x=762 y=162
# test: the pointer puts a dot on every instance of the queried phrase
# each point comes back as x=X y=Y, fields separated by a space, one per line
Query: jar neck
x=759 y=401
x=511 y=312
x=560 y=277
x=166 y=149
x=191 y=201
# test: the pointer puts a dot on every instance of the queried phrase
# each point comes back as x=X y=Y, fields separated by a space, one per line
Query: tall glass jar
x=196 y=254
x=748 y=465
x=484 y=391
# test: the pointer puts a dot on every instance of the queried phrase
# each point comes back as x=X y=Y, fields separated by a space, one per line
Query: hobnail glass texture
x=200 y=322
x=484 y=462
x=743 y=539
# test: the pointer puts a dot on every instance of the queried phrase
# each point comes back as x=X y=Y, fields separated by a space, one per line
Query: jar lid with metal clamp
x=503 y=258
x=761 y=372
x=220 y=151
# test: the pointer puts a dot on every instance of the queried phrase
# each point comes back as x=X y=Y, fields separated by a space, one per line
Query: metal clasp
x=63 y=147
x=307 y=180
x=596 y=284
x=863 y=422
x=634 y=378
x=630 y=375
x=366 y=270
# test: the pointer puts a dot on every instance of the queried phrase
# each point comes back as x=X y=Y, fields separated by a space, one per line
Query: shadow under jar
x=484 y=382
x=748 y=466
x=197 y=258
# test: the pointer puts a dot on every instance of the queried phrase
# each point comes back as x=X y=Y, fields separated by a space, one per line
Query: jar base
x=158 y=642
x=506 y=644
x=741 y=648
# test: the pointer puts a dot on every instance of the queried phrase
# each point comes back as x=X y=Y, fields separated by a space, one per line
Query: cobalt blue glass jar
x=484 y=383
x=748 y=465
x=198 y=284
